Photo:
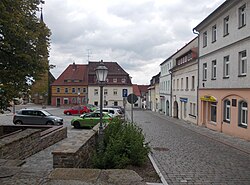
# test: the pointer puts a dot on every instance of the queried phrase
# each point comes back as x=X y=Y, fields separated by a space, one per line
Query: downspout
x=198 y=75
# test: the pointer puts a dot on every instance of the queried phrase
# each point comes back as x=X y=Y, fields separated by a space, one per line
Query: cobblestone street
x=187 y=154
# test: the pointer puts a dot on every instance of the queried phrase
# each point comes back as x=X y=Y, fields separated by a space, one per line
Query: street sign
x=132 y=98
x=124 y=93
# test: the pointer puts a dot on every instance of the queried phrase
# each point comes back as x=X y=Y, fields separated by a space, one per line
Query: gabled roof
x=74 y=74
x=113 y=68
x=136 y=90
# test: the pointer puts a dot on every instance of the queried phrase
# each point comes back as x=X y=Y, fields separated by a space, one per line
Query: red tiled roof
x=136 y=90
x=143 y=88
x=74 y=74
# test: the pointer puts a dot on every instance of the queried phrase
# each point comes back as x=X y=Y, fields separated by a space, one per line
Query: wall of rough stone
x=28 y=142
x=75 y=156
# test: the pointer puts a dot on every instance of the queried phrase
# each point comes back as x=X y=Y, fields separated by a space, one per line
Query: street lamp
x=101 y=75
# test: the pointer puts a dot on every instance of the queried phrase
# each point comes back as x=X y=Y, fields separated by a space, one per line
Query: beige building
x=224 y=78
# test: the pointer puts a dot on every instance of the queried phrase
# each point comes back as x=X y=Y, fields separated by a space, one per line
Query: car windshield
x=46 y=113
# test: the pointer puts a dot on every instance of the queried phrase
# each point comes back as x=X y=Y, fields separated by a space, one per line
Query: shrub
x=122 y=145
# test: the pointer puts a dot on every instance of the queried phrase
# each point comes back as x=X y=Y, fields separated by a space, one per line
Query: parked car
x=113 y=111
x=36 y=117
x=92 y=107
x=90 y=119
x=117 y=107
x=77 y=110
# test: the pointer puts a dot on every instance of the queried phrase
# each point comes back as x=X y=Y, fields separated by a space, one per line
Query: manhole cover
x=160 y=149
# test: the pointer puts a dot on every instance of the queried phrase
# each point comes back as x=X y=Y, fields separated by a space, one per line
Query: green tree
x=24 y=45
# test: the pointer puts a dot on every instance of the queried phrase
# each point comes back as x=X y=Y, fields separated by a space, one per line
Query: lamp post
x=101 y=75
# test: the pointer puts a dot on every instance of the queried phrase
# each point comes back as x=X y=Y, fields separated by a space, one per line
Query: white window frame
x=243 y=112
x=115 y=92
x=226 y=65
x=105 y=91
x=243 y=63
x=58 y=90
x=205 y=39
x=214 y=70
x=204 y=71
x=242 y=16
x=115 y=80
x=193 y=82
x=227 y=110
x=95 y=92
x=187 y=83
x=226 y=26
x=73 y=90
x=66 y=90
x=214 y=33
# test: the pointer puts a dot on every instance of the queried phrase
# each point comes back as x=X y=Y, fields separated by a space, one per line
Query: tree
x=24 y=46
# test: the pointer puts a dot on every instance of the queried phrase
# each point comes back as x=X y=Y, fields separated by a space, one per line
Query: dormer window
x=123 y=80
x=115 y=80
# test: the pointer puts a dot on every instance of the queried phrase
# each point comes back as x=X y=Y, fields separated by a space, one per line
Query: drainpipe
x=198 y=76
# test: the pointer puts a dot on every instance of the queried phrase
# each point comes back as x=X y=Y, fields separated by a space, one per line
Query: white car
x=112 y=111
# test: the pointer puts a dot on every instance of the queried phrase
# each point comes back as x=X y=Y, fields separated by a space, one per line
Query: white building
x=184 y=82
x=165 y=86
x=224 y=78
x=118 y=83
x=154 y=94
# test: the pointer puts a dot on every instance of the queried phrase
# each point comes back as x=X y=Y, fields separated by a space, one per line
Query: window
x=73 y=90
x=78 y=90
x=242 y=16
x=227 y=111
x=105 y=91
x=214 y=34
x=96 y=92
x=226 y=26
x=214 y=69
x=182 y=84
x=177 y=84
x=173 y=85
x=186 y=83
x=213 y=112
x=66 y=90
x=96 y=103
x=226 y=67
x=204 y=71
x=205 y=39
x=73 y=100
x=123 y=80
x=58 y=89
x=115 y=92
x=115 y=103
x=192 y=109
x=243 y=63
x=84 y=90
x=115 y=80
x=193 y=82
x=243 y=114
x=65 y=101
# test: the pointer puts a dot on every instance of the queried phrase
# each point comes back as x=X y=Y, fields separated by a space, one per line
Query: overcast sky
x=138 y=34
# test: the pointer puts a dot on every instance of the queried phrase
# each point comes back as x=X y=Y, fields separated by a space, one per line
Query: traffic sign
x=132 y=98
x=124 y=93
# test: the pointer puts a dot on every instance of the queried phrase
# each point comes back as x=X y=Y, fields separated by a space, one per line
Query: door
x=58 y=102
x=167 y=108
x=175 y=109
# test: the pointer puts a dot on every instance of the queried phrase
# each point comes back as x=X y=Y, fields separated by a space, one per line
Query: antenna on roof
x=89 y=53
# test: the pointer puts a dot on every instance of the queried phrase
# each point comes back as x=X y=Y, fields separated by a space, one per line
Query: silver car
x=36 y=117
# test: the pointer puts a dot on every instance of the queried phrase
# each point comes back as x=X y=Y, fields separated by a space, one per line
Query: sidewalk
x=237 y=143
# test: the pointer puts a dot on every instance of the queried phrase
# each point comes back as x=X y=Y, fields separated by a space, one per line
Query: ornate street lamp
x=101 y=75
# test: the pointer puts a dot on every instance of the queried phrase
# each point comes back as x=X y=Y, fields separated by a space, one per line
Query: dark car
x=36 y=117
x=77 y=110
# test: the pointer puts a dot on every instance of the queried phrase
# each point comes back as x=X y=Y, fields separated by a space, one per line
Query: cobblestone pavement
x=188 y=154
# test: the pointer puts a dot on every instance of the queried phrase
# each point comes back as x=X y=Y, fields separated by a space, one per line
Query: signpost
x=132 y=98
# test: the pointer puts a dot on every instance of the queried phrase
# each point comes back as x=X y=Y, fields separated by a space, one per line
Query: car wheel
x=50 y=123
x=76 y=124
x=18 y=122
x=68 y=113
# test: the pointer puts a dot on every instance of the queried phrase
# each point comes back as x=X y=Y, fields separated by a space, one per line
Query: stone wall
x=29 y=141
x=75 y=154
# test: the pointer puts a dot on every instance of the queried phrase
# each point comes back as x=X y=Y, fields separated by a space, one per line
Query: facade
x=184 y=82
x=165 y=87
x=140 y=92
x=71 y=87
x=154 y=93
x=224 y=78
x=118 y=81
